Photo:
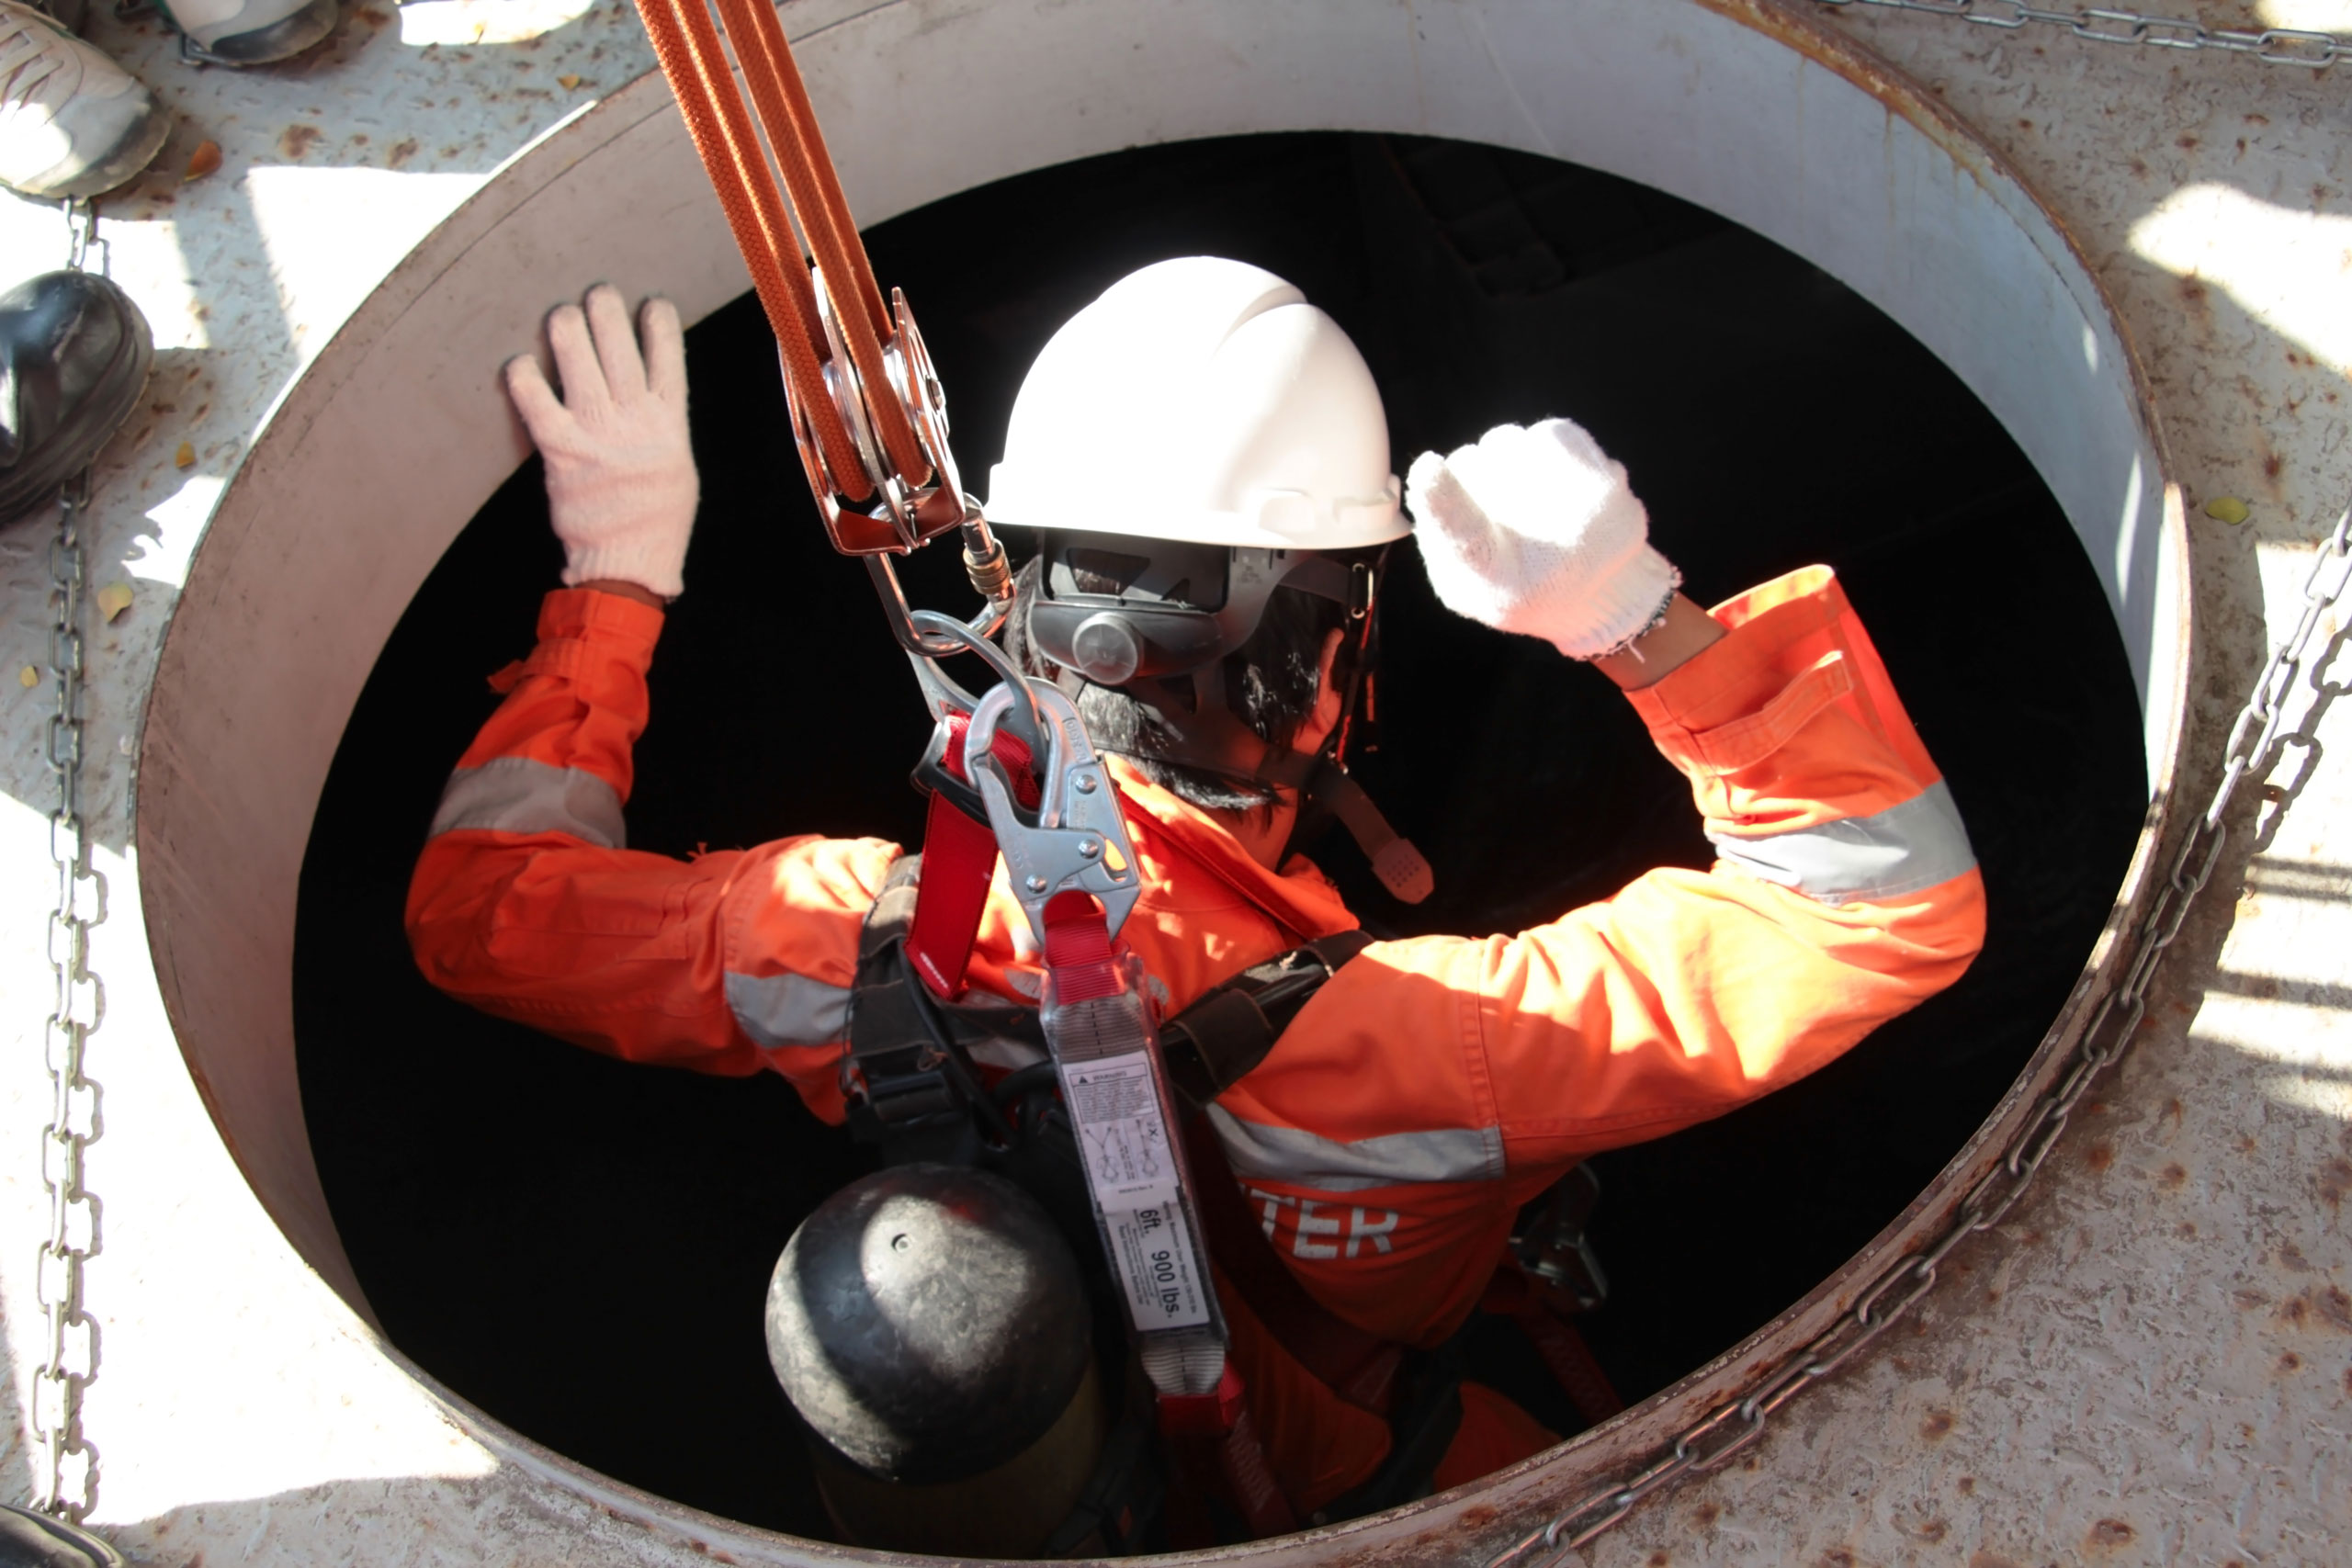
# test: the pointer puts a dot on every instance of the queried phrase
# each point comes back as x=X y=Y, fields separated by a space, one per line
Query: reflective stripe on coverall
x=1430 y=1089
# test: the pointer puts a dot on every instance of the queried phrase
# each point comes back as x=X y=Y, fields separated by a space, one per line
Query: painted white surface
x=2118 y=1373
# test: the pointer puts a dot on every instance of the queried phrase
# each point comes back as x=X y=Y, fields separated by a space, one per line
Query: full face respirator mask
x=1159 y=618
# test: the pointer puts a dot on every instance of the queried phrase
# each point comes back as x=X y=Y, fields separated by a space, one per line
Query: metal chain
x=75 y=1118
x=2272 y=46
x=81 y=233
x=2256 y=741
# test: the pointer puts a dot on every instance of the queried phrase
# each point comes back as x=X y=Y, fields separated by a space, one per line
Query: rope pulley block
x=868 y=413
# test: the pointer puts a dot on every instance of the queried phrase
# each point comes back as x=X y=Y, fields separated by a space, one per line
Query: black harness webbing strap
x=889 y=1036
x=1214 y=1043
x=908 y=1075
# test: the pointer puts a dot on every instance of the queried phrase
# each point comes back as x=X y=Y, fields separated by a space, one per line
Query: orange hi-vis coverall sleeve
x=526 y=903
x=1431 y=1087
x=1434 y=1085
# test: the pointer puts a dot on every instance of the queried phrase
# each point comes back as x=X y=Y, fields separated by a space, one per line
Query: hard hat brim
x=1282 y=521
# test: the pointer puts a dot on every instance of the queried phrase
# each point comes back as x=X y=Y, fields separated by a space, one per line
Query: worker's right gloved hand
x=621 y=481
x=1534 y=530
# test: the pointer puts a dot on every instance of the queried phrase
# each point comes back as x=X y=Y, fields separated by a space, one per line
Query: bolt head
x=1084 y=783
x=1089 y=848
x=1037 y=885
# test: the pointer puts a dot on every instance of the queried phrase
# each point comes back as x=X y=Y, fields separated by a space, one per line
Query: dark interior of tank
x=581 y=1247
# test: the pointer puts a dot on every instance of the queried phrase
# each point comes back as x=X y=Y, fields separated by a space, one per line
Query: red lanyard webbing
x=958 y=863
x=1104 y=1031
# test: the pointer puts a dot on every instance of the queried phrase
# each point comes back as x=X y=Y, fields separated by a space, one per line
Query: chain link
x=2256 y=741
x=68 y=1481
x=80 y=231
x=2272 y=46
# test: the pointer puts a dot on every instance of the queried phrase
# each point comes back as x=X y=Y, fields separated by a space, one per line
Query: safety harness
x=917 y=1092
x=919 y=1068
x=917 y=1088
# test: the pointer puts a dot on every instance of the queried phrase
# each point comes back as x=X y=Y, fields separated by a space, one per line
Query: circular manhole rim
x=1455 y=1523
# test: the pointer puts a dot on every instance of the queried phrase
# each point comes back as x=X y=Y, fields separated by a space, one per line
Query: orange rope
x=770 y=33
x=695 y=62
x=693 y=56
x=822 y=213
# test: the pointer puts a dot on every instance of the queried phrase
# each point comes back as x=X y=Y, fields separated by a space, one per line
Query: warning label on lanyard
x=1124 y=1139
x=1153 y=1250
x=1120 y=1130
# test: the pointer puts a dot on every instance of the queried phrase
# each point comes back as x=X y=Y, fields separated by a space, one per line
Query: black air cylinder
x=930 y=1324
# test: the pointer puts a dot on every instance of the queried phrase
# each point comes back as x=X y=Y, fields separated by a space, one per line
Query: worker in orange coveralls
x=1434 y=1085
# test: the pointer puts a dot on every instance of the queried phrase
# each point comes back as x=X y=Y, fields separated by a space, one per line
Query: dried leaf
x=114 y=598
x=567 y=82
x=2227 y=508
x=28 y=677
x=185 y=456
x=205 y=160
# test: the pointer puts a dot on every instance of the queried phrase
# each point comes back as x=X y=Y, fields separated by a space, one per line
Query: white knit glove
x=621 y=481
x=1535 y=531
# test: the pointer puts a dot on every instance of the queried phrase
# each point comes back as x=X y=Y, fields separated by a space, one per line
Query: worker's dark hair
x=1270 y=684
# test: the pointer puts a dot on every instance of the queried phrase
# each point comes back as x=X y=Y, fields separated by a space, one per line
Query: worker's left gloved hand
x=621 y=481
x=1535 y=530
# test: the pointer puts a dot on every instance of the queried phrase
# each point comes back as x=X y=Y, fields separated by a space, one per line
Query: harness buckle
x=1552 y=1244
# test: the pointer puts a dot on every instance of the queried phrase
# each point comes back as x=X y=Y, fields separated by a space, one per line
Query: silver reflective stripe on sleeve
x=515 y=794
x=1286 y=1153
x=1903 y=849
x=788 y=1010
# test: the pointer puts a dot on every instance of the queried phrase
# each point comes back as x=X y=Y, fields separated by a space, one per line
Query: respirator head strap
x=1214 y=739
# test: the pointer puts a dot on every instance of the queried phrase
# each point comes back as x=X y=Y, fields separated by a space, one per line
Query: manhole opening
x=580 y=1247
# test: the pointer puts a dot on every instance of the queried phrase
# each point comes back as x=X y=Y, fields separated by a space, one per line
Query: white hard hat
x=1204 y=400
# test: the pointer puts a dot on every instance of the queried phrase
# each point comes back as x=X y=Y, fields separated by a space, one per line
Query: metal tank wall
x=244 y=1409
